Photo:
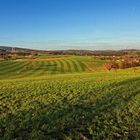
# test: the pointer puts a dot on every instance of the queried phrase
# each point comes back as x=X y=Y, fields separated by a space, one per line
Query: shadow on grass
x=105 y=118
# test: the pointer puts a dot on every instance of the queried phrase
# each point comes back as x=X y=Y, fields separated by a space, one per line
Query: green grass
x=63 y=99
x=71 y=64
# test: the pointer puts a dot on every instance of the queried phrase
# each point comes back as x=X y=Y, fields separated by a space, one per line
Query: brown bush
x=122 y=64
x=107 y=66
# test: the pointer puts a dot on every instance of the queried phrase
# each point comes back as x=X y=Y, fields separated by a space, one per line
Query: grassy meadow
x=68 y=97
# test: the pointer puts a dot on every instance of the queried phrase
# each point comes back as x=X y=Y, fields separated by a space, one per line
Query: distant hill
x=73 y=52
x=8 y=49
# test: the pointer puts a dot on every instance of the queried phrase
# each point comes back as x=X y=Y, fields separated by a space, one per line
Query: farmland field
x=68 y=98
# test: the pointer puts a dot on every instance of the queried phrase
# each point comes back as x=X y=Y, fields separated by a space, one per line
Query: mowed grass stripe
x=80 y=69
x=62 y=69
x=65 y=66
x=27 y=70
x=54 y=66
x=15 y=69
x=6 y=72
x=4 y=64
x=36 y=68
x=32 y=70
x=72 y=67
x=42 y=68
x=82 y=65
x=57 y=70
x=68 y=66
x=8 y=65
x=51 y=66
x=14 y=72
x=58 y=66
x=76 y=67
x=47 y=63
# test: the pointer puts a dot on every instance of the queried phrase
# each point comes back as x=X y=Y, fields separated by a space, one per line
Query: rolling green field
x=68 y=98
x=47 y=66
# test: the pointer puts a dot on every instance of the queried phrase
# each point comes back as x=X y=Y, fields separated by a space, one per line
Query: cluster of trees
x=121 y=64
x=87 y=52
x=3 y=55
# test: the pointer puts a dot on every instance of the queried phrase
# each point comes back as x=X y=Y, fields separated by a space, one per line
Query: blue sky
x=70 y=24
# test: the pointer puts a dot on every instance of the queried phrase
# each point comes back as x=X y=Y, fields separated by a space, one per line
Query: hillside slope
x=73 y=106
x=46 y=66
x=68 y=98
